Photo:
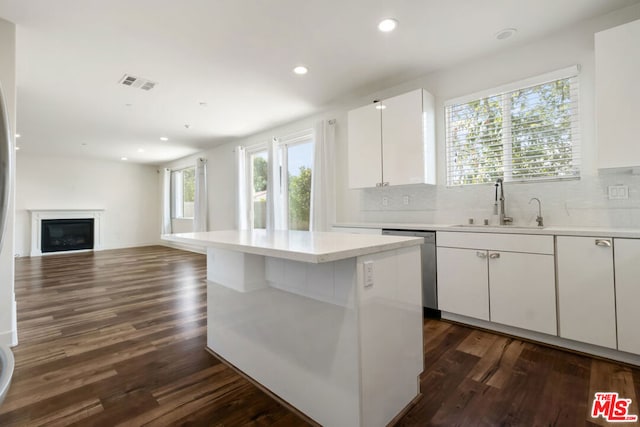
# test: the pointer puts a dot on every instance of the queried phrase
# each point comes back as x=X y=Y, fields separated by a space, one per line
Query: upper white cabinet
x=365 y=151
x=586 y=296
x=392 y=142
x=617 y=53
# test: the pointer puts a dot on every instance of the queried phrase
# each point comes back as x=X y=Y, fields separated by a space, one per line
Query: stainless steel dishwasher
x=428 y=252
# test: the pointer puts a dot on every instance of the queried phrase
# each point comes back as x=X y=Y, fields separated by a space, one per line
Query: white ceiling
x=236 y=56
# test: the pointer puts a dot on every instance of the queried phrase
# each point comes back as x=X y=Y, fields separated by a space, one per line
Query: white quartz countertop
x=314 y=247
x=632 y=233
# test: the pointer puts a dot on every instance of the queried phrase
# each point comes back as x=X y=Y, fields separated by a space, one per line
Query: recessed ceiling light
x=301 y=69
x=123 y=158
x=140 y=150
x=164 y=138
x=505 y=33
x=18 y=135
x=387 y=25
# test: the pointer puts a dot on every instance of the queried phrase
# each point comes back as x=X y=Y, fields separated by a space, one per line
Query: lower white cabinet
x=463 y=286
x=586 y=296
x=503 y=278
x=522 y=291
x=627 y=268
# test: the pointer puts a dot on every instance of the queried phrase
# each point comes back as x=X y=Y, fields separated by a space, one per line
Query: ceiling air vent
x=137 y=82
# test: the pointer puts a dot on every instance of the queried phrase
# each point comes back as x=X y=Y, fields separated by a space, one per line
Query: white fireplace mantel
x=37 y=215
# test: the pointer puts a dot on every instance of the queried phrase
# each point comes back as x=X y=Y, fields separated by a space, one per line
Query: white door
x=462 y=282
x=522 y=291
x=586 y=297
x=627 y=268
x=403 y=144
x=364 y=147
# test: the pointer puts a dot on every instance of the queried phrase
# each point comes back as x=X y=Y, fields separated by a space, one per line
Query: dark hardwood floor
x=117 y=338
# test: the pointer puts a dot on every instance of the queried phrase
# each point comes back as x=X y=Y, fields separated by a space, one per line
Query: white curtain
x=242 y=189
x=276 y=215
x=322 y=178
x=200 y=214
x=166 y=201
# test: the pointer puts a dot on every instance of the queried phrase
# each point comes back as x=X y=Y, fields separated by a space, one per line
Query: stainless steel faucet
x=539 y=217
x=504 y=219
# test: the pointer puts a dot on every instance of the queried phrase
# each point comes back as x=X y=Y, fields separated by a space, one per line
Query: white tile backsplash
x=582 y=202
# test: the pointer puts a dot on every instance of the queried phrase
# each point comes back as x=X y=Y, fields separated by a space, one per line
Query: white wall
x=8 y=331
x=220 y=185
x=579 y=202
x=583 y=202
x=128 y=193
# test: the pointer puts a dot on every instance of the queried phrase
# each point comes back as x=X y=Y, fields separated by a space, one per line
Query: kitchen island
x=329 y=322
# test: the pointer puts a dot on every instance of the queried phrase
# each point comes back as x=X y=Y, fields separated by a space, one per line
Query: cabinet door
x=364 y=147
x=403 y=144
x=627 y=268
x=617 y=93
x=522 y=290
x=462 y=282
x=586 y=298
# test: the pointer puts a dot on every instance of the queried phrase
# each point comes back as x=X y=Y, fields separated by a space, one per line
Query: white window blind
x=527 y=134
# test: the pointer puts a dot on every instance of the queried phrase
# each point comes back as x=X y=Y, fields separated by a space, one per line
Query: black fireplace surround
x=66 y=234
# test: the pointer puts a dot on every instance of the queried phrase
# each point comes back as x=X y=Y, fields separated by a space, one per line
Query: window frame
x=175 y=192
x=282 y=148
x=504 y=91
x=250 y=151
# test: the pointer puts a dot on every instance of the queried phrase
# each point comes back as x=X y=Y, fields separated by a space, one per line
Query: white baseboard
x=104 y=248
x=607 y=353
x=6 y=338
x=132 y=245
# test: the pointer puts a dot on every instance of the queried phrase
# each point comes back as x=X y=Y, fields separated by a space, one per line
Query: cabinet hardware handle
x=603 y=242
x=481 y=254
x=494 y=255
x=385 y=184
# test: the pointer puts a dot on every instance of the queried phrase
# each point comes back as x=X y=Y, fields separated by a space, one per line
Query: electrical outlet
x=406 y=200
x=368 y=274
x=618 y=192
x=385 y=201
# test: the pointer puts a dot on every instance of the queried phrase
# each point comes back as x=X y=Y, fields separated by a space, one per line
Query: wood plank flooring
x=117 y=338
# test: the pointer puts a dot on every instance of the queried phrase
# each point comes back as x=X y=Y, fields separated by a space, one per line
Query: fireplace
x=66 y=234
x=59 y=230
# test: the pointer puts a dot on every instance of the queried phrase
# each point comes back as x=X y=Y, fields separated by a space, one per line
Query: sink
x=501 y=227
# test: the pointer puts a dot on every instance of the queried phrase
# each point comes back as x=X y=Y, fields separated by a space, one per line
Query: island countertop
x=305 y=246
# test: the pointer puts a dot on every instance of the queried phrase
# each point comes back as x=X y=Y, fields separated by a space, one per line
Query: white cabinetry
x=522 y=289
x=392 y=142
x=504 y=278
x=627 y=268
x=463 y=286
x=586 y=296
x=617 y=52
x=364 y=149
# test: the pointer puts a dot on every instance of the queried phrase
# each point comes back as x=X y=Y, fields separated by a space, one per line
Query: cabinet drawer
x=497 y=242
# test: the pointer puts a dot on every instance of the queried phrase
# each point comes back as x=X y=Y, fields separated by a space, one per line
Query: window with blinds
x=527 y=134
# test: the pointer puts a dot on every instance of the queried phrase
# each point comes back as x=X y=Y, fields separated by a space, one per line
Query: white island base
x=342 y=353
